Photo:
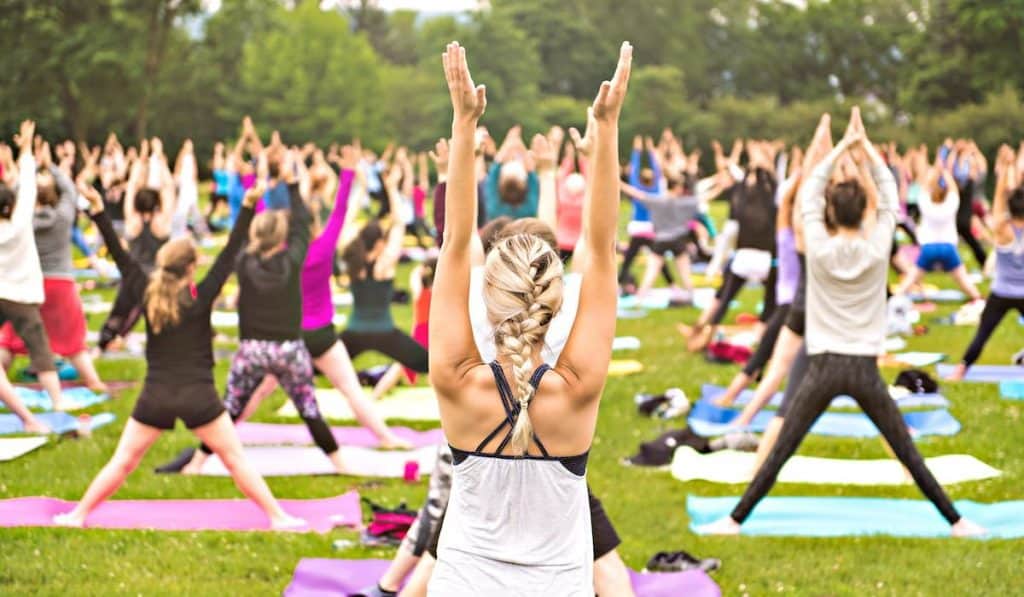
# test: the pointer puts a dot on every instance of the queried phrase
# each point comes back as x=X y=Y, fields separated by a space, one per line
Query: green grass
x=647 y=506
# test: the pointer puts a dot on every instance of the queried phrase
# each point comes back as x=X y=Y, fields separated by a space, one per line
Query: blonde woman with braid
x=519 y=519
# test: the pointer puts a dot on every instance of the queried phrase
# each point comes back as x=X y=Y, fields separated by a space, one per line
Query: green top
x=371 y=305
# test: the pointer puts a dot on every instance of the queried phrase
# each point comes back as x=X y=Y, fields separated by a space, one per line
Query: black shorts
x=796 y=320
x=320 y=340
x=676 y=246
x=160 y=405
x=28 y=323
x=605 y=537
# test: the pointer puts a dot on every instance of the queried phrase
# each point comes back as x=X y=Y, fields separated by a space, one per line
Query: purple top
x=788 y=266
x=317 y=306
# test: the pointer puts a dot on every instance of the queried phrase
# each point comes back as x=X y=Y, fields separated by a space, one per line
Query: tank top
x=145 y=246
x=371 y=304
x=515 y=525
x=1009 y=275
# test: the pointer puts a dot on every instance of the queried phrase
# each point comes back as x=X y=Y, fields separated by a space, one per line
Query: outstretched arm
x=133 y=278
x=584 y=361
x=453 y=351
x=218 y=274
x=545 y=156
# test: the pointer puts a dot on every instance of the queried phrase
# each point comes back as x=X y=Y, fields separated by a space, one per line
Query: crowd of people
x=514 y=299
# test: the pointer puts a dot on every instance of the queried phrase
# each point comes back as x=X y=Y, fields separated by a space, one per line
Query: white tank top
x=515 y=525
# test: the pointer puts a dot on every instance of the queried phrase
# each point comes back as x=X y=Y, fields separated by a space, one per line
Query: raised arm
x=811 y=197
x=25 y=203
x=396 y=235
x=545 y=157
x=222 y=267
x=584 y=361
x=133 y=278
x=299 y=219
x=453 y=351
x=636 y=157
x=339 y=214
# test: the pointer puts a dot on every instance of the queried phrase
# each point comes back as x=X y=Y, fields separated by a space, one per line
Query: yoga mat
x=730 y=466
x=944 y=295
x=290 y=461
x=229 y=319
x=1012 y=390
x=630 y=313
x=626 y=343
x=283 y=434
x=843 y=516
x=411 y=404
x=709 y=420
x=986 y=373
x=16 y=447
x=322 y=515
x=918 y=359
x=58 y=422
x=96 y=307
x=74 y=398
x=323 y=577
x=903 y=399
x=620 y=368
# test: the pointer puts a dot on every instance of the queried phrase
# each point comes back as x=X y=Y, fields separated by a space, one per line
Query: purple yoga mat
x=185 y=515
x=266 y=434
x=316 y=577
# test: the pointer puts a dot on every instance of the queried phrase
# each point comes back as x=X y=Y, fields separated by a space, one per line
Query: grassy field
x=647 y=506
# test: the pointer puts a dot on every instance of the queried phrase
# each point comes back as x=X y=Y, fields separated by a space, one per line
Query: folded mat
x=58 y=422
x=283 y=434
x=1012 y=390
x=321 y=515
x=730 y=466
x=293 y=461
x=16 y=447
x=411 y=403
x=903 y=398
x=323 y=577
x=708 y=420
x=74 y=398
x=986 y=373
x=619 y=368
x=842 y=516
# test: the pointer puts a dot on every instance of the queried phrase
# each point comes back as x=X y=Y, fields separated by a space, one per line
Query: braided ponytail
x=522 y=291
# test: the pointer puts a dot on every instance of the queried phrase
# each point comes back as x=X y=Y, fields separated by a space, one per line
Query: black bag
x=917 y=381
x=659 y=452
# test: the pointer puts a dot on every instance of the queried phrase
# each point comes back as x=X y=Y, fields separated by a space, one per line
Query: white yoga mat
x=16 y=447
x=728 y=466
x=229 y=319
x=291 y=461
x=410 y=404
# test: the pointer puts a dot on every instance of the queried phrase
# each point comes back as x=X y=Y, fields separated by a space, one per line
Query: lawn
x=647 y=506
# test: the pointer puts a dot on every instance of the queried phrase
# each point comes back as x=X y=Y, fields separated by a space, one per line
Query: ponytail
x=165 y=292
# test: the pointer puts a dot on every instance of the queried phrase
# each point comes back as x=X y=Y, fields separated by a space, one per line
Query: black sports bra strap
x=538 y=373
x=512 y=408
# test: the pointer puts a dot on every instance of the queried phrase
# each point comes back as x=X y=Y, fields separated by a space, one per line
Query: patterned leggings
x=290 y=363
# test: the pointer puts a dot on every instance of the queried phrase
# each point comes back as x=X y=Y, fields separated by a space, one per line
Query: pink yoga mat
x=185 y=515
x=266 y=434
x=318 y=577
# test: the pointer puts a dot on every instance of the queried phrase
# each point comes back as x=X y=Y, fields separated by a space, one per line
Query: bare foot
x=958 y=373
x=684 y=330
x=699 y=340
x=60 y=405
x=287 y=523
x=722 y=526
x=966 y=528
x=69 y=519
x=98 y=387
x=34 y=426
x=195 y=466
x=393 y=442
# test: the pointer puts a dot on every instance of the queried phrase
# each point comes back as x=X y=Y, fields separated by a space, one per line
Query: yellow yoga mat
x=410 y=404
x=623 y=367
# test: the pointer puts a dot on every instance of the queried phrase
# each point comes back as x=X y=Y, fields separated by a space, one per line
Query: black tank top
x=144 y=247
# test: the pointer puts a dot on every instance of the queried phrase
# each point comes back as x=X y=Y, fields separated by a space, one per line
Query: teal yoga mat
x=74 y=398
x=843 y=516
x=59 y=422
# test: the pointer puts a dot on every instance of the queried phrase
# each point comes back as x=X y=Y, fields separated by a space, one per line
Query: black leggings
x=963 y=227
x=124 y=314
x=635 y=244
x=395 y=344
x=828 y=376
x=995 y=308
x=766 y=345
x=731 y=286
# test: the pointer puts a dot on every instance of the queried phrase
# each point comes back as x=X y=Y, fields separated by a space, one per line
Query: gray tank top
x=515 y=525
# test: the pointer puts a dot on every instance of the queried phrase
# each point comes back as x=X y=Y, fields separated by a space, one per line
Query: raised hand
x=349 y=157
x=611 y=95
x=820 y=145
x=26 y=133
x=468 y=100
x=252 y=196
x=440 y=155
x=584 y=144
x=543 y=154
x=91 y=195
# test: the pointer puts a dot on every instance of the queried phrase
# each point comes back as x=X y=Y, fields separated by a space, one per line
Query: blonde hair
x=267 y=231
x=164 y=292
x=522 y=292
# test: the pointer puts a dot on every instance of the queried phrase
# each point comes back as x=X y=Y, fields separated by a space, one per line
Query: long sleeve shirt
x=496 y=208
x=21 y=277
x=52 y=226
x=846 y=275
x=317 y=306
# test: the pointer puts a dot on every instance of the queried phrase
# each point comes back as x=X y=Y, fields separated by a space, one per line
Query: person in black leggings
x=846 y=279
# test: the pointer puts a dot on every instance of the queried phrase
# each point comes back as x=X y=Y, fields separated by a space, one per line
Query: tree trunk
x=161 y=20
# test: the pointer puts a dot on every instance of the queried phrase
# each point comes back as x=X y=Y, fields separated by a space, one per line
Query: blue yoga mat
x=76 y=398
x=1012 y=390
x=986 y=373
x=709 y=420
x=59 y=422
x=711 y=391
x=943 y=295
x=843 y=516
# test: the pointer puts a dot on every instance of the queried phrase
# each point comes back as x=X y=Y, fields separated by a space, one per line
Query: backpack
x=388 y=526
x=658 y=452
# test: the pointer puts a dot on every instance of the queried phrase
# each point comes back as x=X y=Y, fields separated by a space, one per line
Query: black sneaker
x=178 y=463
x=680 y=561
